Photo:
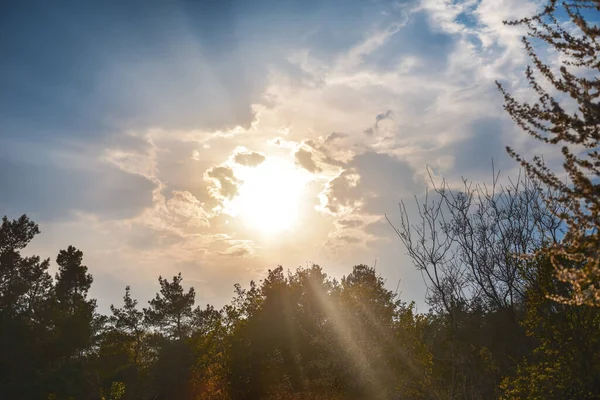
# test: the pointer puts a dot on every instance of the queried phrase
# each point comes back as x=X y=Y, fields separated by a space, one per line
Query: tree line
x=492 y=331
x=512 y=271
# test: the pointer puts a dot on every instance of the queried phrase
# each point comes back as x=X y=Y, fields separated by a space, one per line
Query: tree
x=24 y=281
x=73 y=326
x=567 y=116
x=468 y=242
x=129 y=321
x=210 y=344
x=171 y=310
x=171 y=313
x=120 y=356
x=564 y=362
x=25 y=291
x=374 y=363
x=72 y=279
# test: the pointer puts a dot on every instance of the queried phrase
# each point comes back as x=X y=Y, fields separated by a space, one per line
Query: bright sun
x=269 y=197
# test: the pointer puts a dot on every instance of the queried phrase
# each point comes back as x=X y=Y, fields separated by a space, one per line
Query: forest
x=512 y=270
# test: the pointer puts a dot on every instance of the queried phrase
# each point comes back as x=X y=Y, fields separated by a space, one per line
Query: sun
x=269 y=197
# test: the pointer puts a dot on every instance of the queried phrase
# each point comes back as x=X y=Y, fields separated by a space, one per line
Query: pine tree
x=129 y=321
x=25 y=290
x=171 y=310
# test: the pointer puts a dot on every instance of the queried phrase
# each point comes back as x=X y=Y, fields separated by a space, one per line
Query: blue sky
x=121 y=124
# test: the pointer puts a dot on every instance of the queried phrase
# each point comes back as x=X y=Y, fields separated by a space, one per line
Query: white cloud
x=364 y=128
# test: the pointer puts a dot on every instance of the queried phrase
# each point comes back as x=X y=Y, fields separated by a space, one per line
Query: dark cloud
x=305 y=160
x=375 y=181
x=250 y=159
x=334 y=136
x=227 y=183
x=387 y=115
x=383 y=116
x=339 y=191
x=321 y=147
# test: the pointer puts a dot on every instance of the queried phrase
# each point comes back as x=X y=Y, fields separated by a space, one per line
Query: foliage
x=567 y=116
x=564 y=363
x=292 y=335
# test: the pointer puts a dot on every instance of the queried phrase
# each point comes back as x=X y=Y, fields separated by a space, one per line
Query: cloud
x=339 y=196
x=350 y=223
x=188 y=208
x=333 y=136
x=250 y=158
x=143 y=135
x=387 y=115
x=379 y=228
x=224 y=182
x=132 y=153
x=349 y=239
x=371 y=183
x=305 y=160
x=238 y=248
x=235 y=253
x=383 y=116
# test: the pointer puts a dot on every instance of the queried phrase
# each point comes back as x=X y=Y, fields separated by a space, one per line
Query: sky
x=221 y=139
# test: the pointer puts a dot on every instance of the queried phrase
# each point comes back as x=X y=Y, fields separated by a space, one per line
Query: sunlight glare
x=269 y=197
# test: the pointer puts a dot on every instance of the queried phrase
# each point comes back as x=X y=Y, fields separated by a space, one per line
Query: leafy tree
x=293 y=335
x=364 y=324
x=567 y=115
x=210 y=345
x=171 y=373
x=303 y=335
x=564 y=363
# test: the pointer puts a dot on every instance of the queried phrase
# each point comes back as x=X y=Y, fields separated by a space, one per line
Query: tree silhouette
x=293 y=335
x=171 y=310
x=25 y=292
x=73 y=328
x=129 y=321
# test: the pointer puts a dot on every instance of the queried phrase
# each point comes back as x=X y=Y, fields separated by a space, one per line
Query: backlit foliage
x=566 y=114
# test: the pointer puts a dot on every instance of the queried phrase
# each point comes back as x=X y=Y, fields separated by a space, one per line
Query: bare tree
x=469 y=242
